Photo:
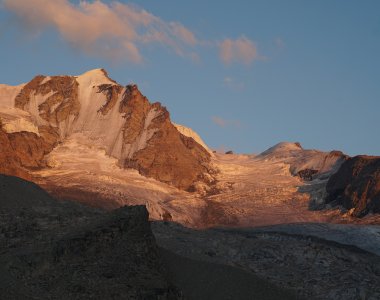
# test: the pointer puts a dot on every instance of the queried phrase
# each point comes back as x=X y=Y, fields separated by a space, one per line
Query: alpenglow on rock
x=356 y=185
x=96 y=110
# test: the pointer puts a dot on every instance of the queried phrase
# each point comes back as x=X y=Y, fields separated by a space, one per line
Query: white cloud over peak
x=120 y=31
x=114 y=30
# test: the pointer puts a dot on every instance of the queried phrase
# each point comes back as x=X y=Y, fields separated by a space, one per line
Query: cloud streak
x=233 y=84
x=225 y=123
x=241 y=50
x=113 y=30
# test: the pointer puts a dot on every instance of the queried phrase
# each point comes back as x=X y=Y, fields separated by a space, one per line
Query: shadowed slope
x=201 y=280
x=61 y=250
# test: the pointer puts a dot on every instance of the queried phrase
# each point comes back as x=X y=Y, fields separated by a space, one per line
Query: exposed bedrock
x=356 y=186
x=162 y=153
x=20 y=152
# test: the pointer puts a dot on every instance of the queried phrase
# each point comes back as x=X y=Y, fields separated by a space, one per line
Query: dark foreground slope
x=305 y=258
x=63 y=250
x=203 y=280
x=52 y=250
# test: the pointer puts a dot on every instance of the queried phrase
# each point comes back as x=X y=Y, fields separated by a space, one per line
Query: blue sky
x=243 y=74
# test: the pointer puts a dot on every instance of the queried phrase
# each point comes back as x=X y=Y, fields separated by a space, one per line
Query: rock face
x=356 y=185
x=21 y=151
x=307 y=174
x=161 y=151
x=61 y=250
x=9 y=164
x=100 y=112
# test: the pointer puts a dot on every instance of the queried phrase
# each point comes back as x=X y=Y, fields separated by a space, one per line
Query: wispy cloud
x=225 y=123
x=233 y=84
x=114 y=30
x=279 y=42
x=120 y=31
x=241 y=50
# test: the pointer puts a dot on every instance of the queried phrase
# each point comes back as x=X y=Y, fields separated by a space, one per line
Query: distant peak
x=283 y=146
x=289 y=145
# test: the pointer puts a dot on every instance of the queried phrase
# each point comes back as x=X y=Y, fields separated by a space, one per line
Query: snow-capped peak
x=94 y=77
x=283 y=147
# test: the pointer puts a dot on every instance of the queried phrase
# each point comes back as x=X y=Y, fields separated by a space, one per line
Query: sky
x=245 y=75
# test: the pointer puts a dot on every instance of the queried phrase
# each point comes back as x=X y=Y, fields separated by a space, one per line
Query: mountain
x=89 y=139
x=269 y=221
x=94 y=109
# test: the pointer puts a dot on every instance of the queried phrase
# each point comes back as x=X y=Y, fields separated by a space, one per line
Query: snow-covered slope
x=13 y=119
x=17 y=120
x=300 y=159
x=282 y=148
x=8 y=94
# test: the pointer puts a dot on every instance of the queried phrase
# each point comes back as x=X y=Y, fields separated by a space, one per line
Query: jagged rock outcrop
x=21 y=151
x=98 y=111
x=61 y=250
x=9 y=163
x=356 y=185
x=307 y=174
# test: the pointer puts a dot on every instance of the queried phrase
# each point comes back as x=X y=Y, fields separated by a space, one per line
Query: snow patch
x=46 y=79
x=33 y=107
x=17 y=120
x=104 y=130
x=147 y=133
x=19 y=125
x=8 y=94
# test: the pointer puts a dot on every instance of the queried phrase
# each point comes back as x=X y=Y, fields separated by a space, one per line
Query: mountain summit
x=95 y=110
